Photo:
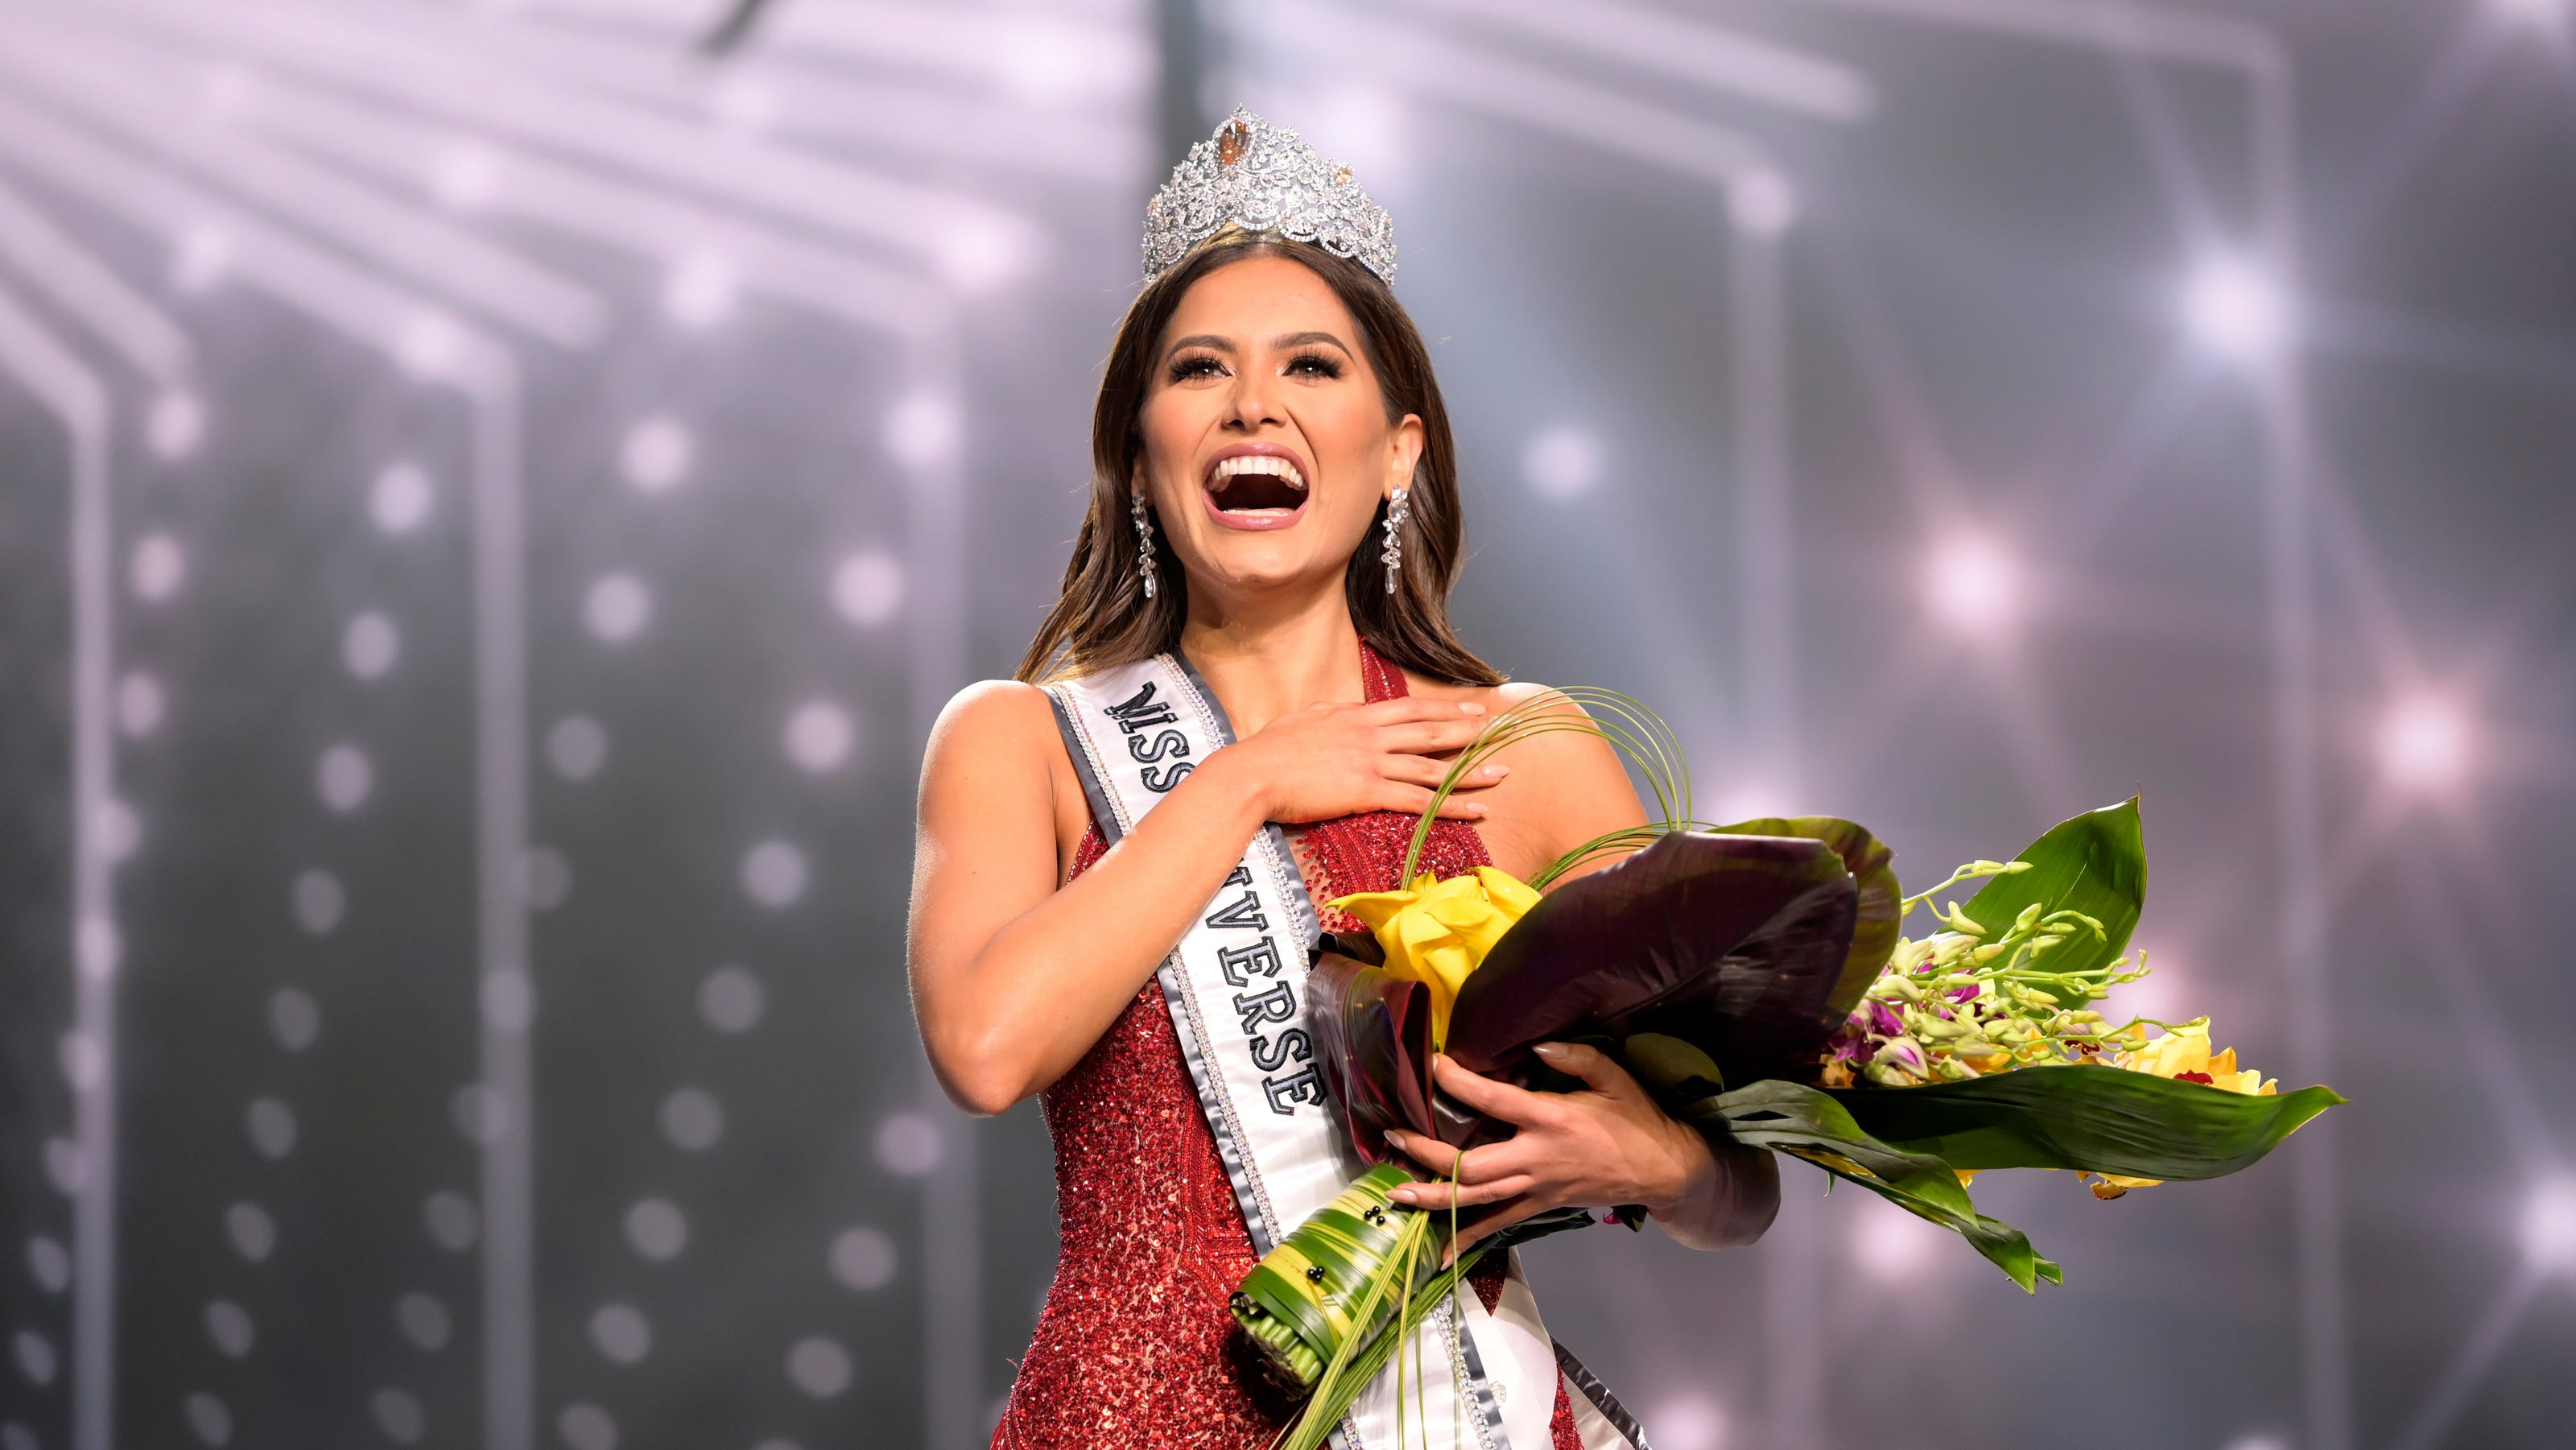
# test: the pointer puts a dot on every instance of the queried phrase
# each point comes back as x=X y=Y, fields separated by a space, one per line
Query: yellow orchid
x=2183 y=1052
x=1437 y=932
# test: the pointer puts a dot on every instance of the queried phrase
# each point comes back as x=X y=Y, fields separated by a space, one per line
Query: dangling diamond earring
x=1145 y=541
x=1393 y=553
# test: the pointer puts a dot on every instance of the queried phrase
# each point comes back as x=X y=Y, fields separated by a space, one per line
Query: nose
x=1253 y=401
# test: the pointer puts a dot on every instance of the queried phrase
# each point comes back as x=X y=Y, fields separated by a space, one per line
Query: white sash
x=1235 y=985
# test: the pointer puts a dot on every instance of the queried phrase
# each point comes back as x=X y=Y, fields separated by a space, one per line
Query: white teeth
x=1268 y=463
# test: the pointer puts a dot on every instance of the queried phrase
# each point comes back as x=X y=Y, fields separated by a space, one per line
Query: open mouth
x=1252 y=487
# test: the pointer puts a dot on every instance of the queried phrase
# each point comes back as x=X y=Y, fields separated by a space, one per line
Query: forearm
x=1035 y=998
x=1727 y=1200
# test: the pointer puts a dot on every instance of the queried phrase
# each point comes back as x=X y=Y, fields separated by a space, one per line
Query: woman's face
x=1267 y=445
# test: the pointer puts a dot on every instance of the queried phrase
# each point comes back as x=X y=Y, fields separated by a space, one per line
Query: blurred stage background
x=490 y=496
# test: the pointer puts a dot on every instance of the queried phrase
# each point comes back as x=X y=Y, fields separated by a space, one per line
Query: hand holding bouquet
x=1754 y=978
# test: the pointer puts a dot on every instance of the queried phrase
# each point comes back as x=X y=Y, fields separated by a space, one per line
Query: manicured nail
x=1550 y=1050
x=1476 y=812
x=1469 y=707
x=1498 y=771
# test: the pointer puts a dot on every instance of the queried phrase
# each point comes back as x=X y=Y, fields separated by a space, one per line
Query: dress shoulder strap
x=1380 y=678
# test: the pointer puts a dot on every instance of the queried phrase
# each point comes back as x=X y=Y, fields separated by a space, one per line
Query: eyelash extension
x=1326 y=364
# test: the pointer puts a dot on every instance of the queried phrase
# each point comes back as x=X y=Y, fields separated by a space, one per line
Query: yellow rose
x=1438 y=932
x=2184 y=1052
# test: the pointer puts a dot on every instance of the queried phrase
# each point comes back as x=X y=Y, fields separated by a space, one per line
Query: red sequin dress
x=1131 y=1348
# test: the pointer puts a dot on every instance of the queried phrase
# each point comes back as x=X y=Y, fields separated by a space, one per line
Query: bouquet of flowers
x=1755 y=978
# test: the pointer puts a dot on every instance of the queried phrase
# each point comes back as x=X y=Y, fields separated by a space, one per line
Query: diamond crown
x=1261 y=178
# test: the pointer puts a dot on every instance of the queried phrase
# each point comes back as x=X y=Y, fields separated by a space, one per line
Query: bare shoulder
x=994 y=731
x=995 y=757
x=1565 y=787
x=1557 y=750
x=990 y=713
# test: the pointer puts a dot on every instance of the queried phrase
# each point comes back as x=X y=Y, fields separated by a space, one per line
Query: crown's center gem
x=1232 y=142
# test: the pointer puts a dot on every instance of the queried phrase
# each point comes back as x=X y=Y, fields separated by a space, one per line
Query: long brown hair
x=1103 y=619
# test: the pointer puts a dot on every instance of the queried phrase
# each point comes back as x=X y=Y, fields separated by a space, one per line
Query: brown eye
x=1195 y=367
x=1314 y=365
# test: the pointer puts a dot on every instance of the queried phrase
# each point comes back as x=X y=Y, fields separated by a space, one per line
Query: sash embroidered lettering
x=1244 y=912
x=1279 y=1004
x=1141 y=711
x=1291 y=1046
x=1307 y=1086
x=1241 y=964
x=1161 y=778
x=1167 y=742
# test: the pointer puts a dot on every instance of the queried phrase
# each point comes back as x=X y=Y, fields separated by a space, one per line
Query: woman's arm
x=1013 y=979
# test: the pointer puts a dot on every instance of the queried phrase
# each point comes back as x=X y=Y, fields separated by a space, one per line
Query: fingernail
x=1498 y=770
x=1550 y=1050
x=1476 y=812
x=1401 y=1195
x=1466 y=707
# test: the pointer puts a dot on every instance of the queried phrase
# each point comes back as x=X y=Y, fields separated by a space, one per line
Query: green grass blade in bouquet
x=1324 y=1292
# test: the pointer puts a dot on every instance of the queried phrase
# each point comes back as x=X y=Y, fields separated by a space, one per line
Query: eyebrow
x=1281 y=343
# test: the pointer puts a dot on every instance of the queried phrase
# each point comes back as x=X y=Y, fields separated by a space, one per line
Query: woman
x=1274 y=527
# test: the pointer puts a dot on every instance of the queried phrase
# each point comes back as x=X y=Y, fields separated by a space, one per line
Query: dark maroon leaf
x=1372 y=1035
x=1875 y=927
x=1733 y=943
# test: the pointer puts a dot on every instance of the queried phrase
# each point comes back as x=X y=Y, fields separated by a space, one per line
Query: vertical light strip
x=1794 y=1247
x=2289 y=475
x=500 y=848
x=48 y=369
x=1764 y=537
x=952 y=1248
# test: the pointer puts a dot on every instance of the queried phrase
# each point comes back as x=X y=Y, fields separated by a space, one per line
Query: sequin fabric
x=1134 y=1346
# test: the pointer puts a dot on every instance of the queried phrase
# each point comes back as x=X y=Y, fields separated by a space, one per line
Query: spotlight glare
x=1762 y=204
x=922 y=430
x=429 y=345
x=2424 y=744
x=2549 y=1225
x=1971 y=583
x=176 y=425
x=2540 y=14
x=701 y=290
x=1896 y=1247
x=1562 y=463
x=224 y=89
x=204 y=255
x=466 y=176
x=744 y=106
x=2233 y=308
x=1690 y=1421
x=1374 y=131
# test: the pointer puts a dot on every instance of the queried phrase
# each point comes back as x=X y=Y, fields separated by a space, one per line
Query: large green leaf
x=1804 y=1122
x=2088 y=1118
x=2095 y=863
